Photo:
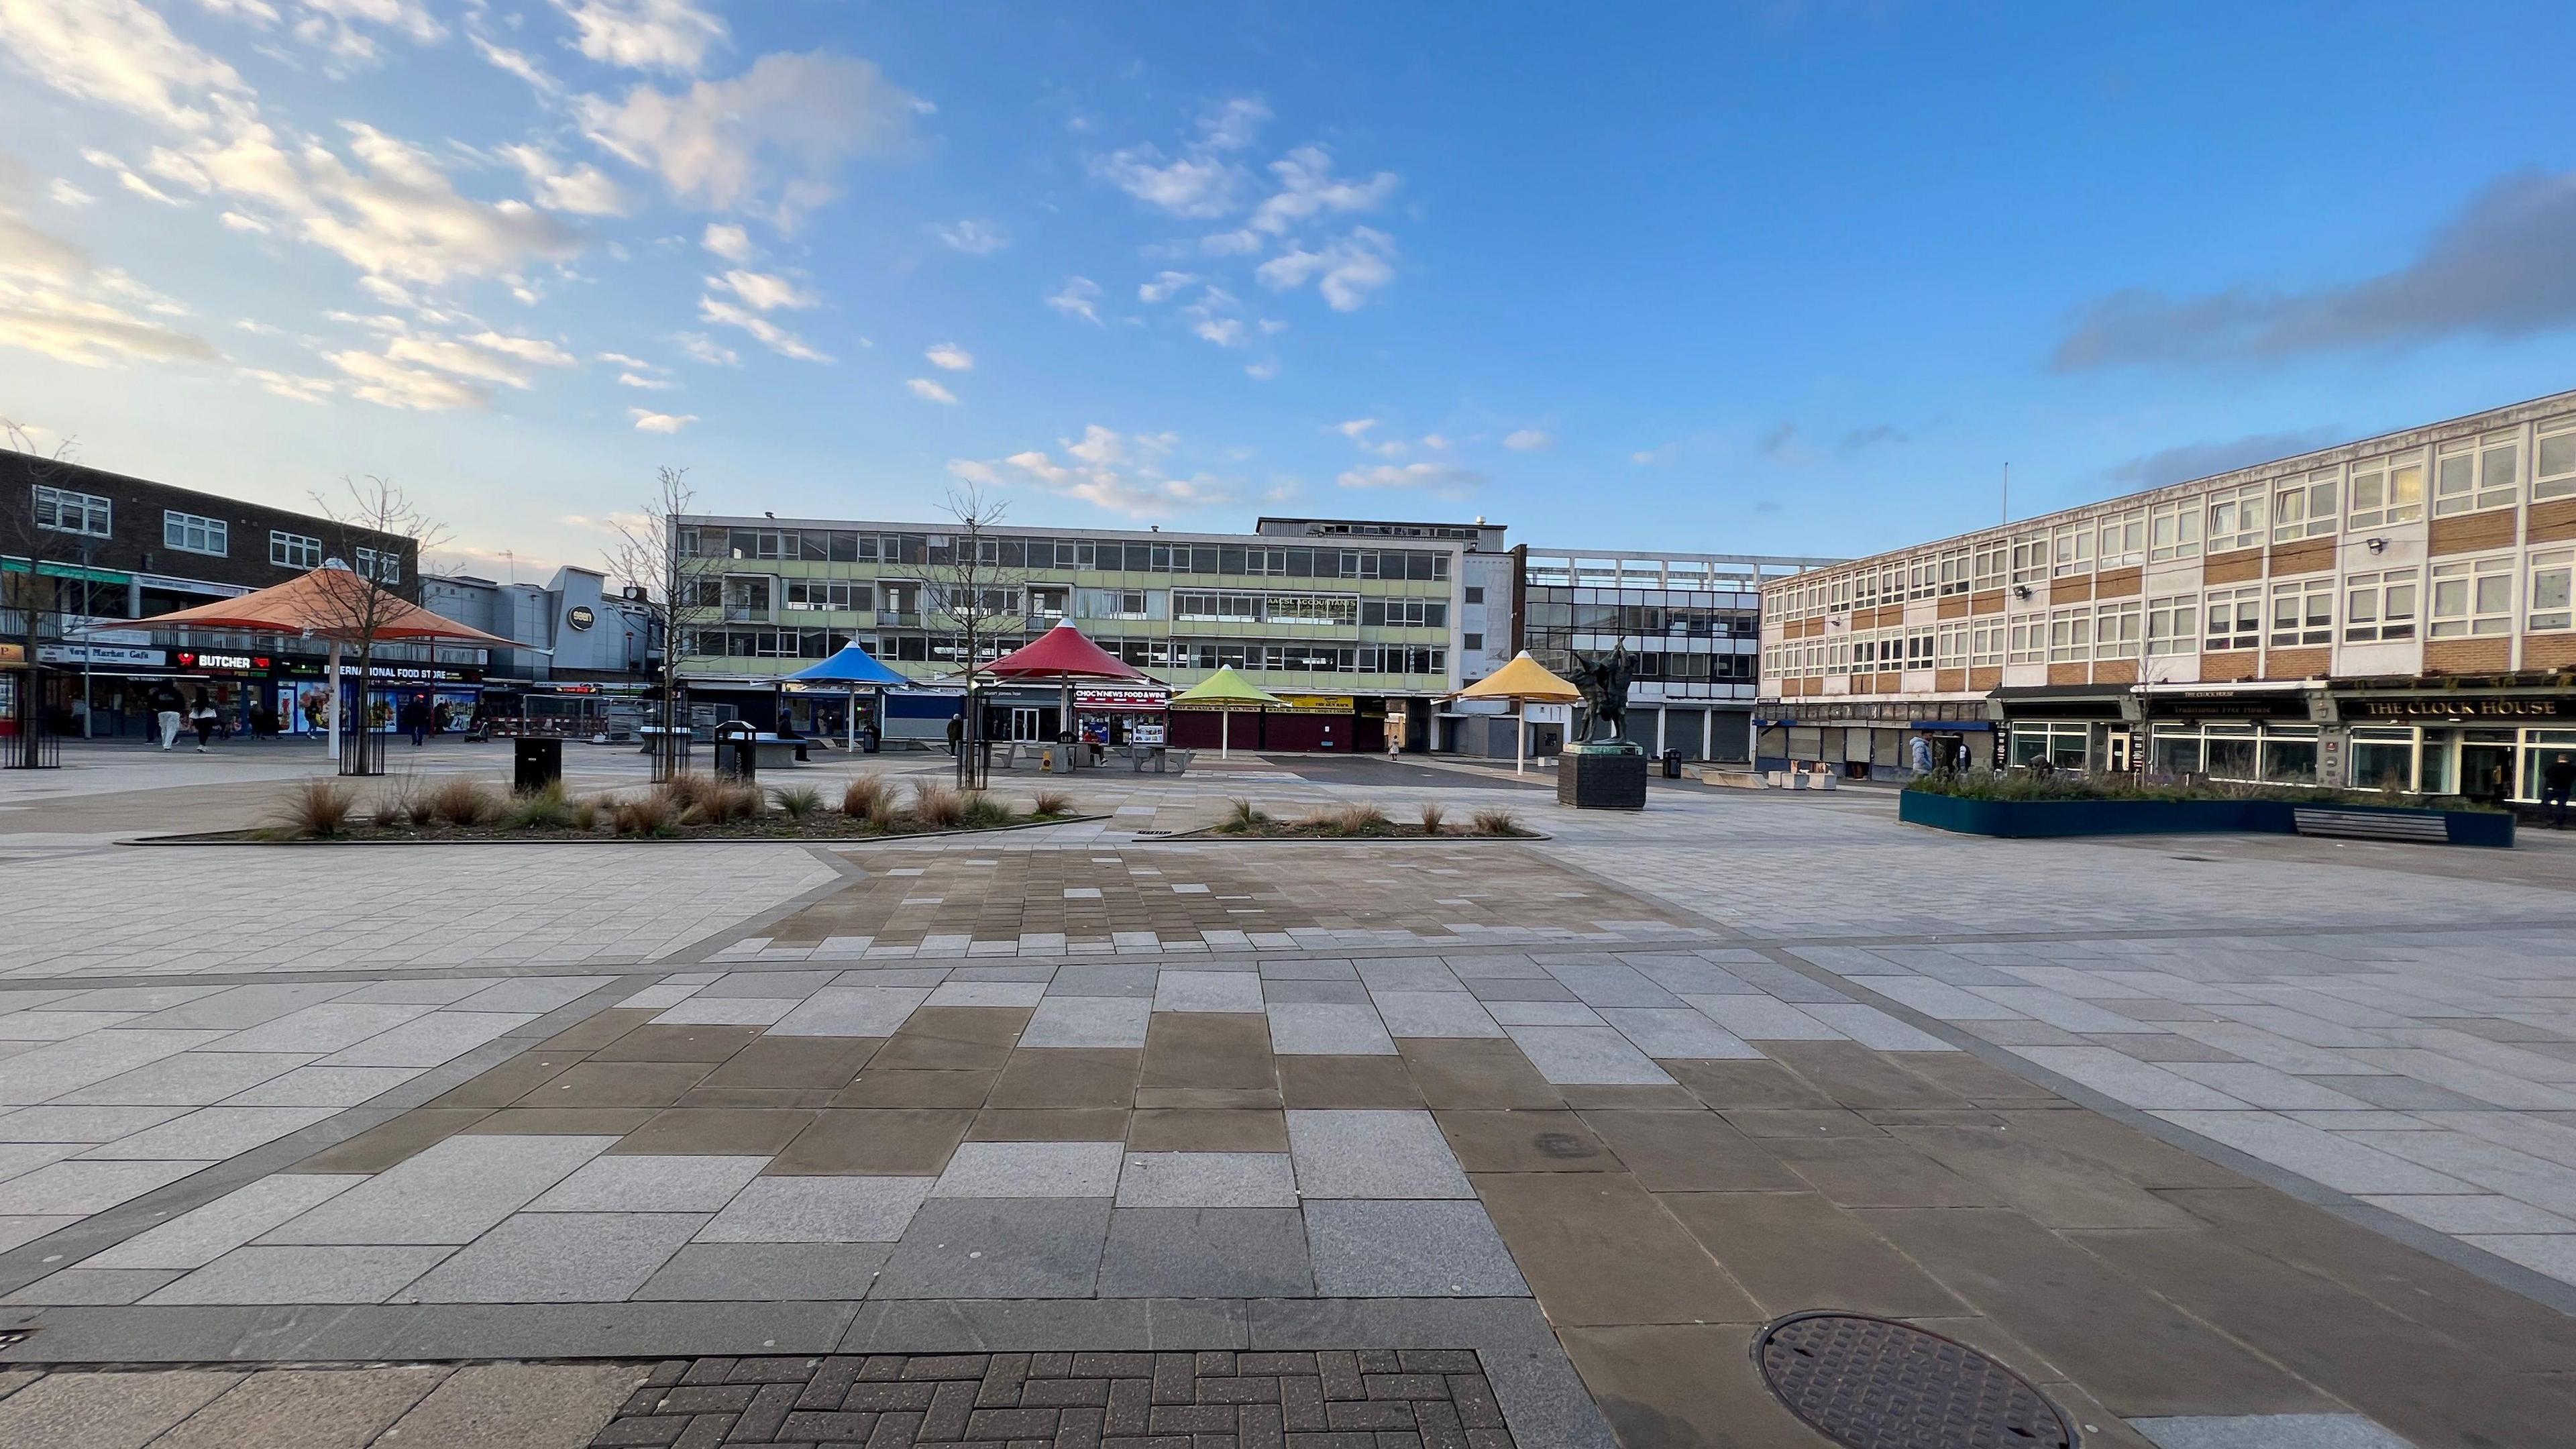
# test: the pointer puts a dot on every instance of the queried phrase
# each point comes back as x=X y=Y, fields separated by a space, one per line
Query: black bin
x=737 y=751
x=1672 y=764
x=537 y=762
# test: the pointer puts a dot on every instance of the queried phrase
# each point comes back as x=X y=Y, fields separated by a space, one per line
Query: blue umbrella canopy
x=853 y=665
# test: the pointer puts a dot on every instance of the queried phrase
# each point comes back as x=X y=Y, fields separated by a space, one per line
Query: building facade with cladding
x=2393 y=612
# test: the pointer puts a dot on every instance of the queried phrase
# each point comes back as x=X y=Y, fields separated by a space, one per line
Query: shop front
x=1867 y=739
x=2491 y=743
x=450 y=693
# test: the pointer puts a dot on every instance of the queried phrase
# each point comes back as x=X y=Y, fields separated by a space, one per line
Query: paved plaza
x=1112 y=1134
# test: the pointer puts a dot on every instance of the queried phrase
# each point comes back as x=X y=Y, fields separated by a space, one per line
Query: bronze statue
x=1604 y=681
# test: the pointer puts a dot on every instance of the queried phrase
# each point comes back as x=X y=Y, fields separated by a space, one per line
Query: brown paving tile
x=2138 y=1353
x=2054 y=1187
x=718 y=1131
x=394 y=1139
x=508 y=1082
x=596 y=1083
x=598 y=1031
x=987 y=1025
x=1970 y=1075
x=1364 y=1082
x=938 y=1054
x=1678 y=1386
x=874 y=1143
x=1801 y=1122
x=1793 y=1251
x=876 y=1088
x=1629 y=1098
x=1596 y=1248
x=1068 y=1077
x=1855 y=1076
x=1861 y=1172
x=791 y=1098
x=1694 y=1151
x=1730 y=1083
x=1475 y=1074
x=1930 y=1117
x=1207 y=1099
x=1524 y=1142
x=1191 y=1129
x=564 y=1121
x=1228 y=1050
x=2122 y=1148
x=708 y=1044
x=828 y=1062
x=1049 y=1124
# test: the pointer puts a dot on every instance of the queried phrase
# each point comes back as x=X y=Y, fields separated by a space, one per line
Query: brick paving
x=1211 y=1399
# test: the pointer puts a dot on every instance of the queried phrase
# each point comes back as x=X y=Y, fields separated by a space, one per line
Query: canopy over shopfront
x=1226 y=691
x=1523 y=681
x=852 y=666
x=333 y=604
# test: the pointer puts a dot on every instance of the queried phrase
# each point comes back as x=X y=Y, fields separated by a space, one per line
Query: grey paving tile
x=19 y=1229
x=1373 y=1154
x=1425 y=973
x=1409 y=1250
x=431 y=991
x=2268 y=1431
x=558 y=1258
x=1207 y=1180
x=17 y=1159
x=87 y=1287
x=1122 y=979
x=538 y=994
x=999 y=1248
x=852 y=1011
x=330 y=1027
x=1207 y=991
x=650 y=1184
x=302 y=1275
x=1586 y=1056
x=1452 y=1013
x=1031 y=1169
x=2553 y=1254
x=1342 y=993
x=1206 y=1253
x=248 y=1006
x=81 y=1188
x=202 y=1234
x=324 y=1087
x=1675 y=1032
x=57 y=1069
x=1088 y=1021
x=2483 y=1213
x=1543 y=1013
x=2324 y=1156
x=191 y=1079
x=819 y=1210
x=87 y=1126
x=766 y=985
x=987 y=993
x=1327 y=1029
x=767 y=1272
x=307 y=1409
x=2123 y=1078
x=451 y=1192
x=211 y=1134
x=1762 y=1018
x=736 y=1011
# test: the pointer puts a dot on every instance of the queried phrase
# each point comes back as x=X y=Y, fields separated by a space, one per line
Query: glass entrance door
x=1024 y=722
x=2486 y=769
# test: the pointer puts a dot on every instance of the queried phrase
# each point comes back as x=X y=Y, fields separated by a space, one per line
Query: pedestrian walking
x=1921 y=753
x=166 y=709
x=415 y=719
x=202 y=715
x=956 y=732
x=2555 y=783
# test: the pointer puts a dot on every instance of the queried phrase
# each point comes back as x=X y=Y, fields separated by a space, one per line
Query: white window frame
x=2232 y=619
x=2173 y=625
x=196 y=533
x=2548 y=590
x=1950 y=649
x=2473 y=475
x=2383 y=605
x=1986 y=642
x=2386 y=492
x=294 y=550
x=2070 y=635
x=2122 y=541
x=2029 y=639
x=1988 y=564
x=2310 y=620
x=2305 y=507
x=2466 y=603
x=2553 y=460
x=2236 y=517
x=2173 y=530
x=95 y=516
x=2030 y=560
x=2116 y=628
x=2071 y=551
x=376 y=564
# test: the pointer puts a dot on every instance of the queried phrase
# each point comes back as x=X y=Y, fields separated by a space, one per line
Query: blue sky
x=1793 y=278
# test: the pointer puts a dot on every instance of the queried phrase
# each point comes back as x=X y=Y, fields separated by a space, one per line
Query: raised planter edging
x=236 y=838
x=2044 y=819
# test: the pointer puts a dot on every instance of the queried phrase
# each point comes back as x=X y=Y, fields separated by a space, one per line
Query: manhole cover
x=1869 y=1383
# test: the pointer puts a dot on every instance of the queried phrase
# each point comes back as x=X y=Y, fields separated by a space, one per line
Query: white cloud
x=334 y=25
x=974 y=238
x=298 y=387
x=1223 y=331
x=1445 y=479
x=1358 y=429
x=1345 y=271
x=952 y=357
x=702 y=348
x=391 y=326
x=66 y=194
x=387 y=383
x=146 y=189
x=1262 y=371
x=1122 y=473
x=516 y=62
x=118 y=53
x=1308 y=188
x=448 y=355
x=770 y=335
x=729 y=242
x=583 y=189
x=644 y=34
x=1527 y=440
x=928 y=391
x=774 y=137
x=237 y=221
x=1230 y=243
x=1164 y=286
x=1078 y=297
x=764 y=290
x=533 y=350
x=1435 y=442
x=1200 y=182
x=54 y=301
x=652 y=384
x=649 y=421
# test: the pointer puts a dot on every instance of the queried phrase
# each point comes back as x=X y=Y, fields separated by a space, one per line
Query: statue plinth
x=1602 y=775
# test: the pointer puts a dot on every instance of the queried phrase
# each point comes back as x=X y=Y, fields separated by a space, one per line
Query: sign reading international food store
x=381 y=672
x=2452 y=706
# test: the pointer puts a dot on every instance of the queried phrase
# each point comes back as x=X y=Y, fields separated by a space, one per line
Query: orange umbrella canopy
x=325 y=604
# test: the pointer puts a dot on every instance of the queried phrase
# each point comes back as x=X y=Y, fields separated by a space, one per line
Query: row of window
x=1308 y=658
x=820 y=545
x=1669 y=620
x=2465 y=476
x=747 y=598
x=65 y=510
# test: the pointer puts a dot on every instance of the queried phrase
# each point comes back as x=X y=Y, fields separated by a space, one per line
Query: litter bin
x=737 y=751
x=1672 y=764
x=537 y=762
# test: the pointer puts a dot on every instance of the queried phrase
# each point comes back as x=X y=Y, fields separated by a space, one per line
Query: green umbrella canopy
x=1226 y=689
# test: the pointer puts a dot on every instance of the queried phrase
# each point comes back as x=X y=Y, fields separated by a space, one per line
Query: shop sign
x=394 y=673
x=1317 y=703
x=100 y=654
x=2459 y=707
x=581 y=617
x=1540 y=712
x=1118 y=699
x=2264 y=706
x=12 y=656
x=193 y=659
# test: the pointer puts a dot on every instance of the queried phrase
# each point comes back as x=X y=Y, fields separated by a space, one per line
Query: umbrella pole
x=853 y=722
x=1225 y=734
x=1520 y=741
x=333 y=669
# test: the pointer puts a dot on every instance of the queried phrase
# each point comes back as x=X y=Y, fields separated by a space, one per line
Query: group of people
x=170 y=710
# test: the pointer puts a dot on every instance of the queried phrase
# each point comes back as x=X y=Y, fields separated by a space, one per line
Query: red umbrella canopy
x=325 y=604
x=1061 y=653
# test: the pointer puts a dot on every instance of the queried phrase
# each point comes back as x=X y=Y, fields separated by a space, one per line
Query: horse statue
x=1604 y=682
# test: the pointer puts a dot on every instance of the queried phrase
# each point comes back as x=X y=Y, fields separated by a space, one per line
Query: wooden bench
x=2371 y=825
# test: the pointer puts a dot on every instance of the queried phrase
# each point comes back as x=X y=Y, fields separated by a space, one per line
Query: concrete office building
x=2392 y=612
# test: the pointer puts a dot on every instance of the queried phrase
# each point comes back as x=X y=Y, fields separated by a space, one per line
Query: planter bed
x=1293 y=831
x=2037 y=819
x=828 y=831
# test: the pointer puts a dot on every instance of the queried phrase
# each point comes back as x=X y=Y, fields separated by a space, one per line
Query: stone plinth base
x=1602 y=776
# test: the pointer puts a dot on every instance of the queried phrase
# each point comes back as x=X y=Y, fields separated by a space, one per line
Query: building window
x=2303 y=612
x=2471 y=597
x=2070 y=636
x=2553 y=470
x=1403 y=614
x=1988 y=563
x=191 y=533
x=2062 y=745
x=2236 y=517
x=1472 y=642
x=383 y=567
x=2074 y=551
x=2380 y=606
x=2304 y=507
x=2124 y=542
x=2549 y=588
x=2029 y=560
x=2474 y=475
x=1475 y=593
x=294 y=551
x=819 y=594
x=2386 y=491
x=2234 y=618
x=2029 y=643
x=65 y=511
x=2173 y=625
x=2115 y=630
x=2173 y=531
x=1048 y=602
x=1220 y=608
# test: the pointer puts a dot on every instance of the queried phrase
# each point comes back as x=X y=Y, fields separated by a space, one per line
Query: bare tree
x=32 y=595
x=379 y=536
x=651 y=554
x=978 y=597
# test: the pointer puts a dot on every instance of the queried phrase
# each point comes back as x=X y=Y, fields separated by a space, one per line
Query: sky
x=1778 y=277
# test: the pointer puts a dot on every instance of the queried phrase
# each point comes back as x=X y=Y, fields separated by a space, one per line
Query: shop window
x=2475 y=475
x=2173 y=625
x=2539 y=748
x=2472 y=597
x=2289 y=759
x=2383 y=759
x=2553 y=463
x=2236 y=517
x=2304 y=507
x=2061 y=744
x=2115 y=630
x=2234 y=618
x=2303 y=612
x=2231 y=755
x=2175 y=754
x=2549 y=589
x=2380 y=606
x=2387 y=491
x=2173 y=531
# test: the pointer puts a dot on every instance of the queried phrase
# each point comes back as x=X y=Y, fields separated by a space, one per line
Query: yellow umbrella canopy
x=1226 y=689
x=1523 y=679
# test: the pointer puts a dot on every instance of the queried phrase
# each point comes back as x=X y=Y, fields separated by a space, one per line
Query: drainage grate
x=1871 y=1383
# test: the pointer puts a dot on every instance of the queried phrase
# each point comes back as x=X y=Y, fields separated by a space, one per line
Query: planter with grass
x=1245 y=820
x=2024 y=807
